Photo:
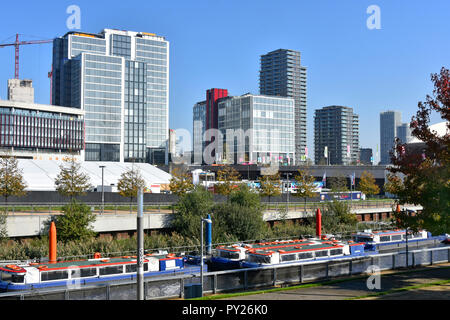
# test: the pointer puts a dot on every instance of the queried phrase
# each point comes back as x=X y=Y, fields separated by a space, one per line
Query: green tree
x=227 y=178
x=129 y=183
x=367 y=184
x=305 y=185
x=3 y=219
x=338 y=183
x=75 y=222
x=11 y=179
x=231 y=221
x=422 y=177
x=337 y=217
x=71 y=181
x=181 y=182
x=270 y=185
x=189 y=211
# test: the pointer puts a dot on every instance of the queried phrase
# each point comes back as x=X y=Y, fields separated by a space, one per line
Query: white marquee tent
x=40 y=174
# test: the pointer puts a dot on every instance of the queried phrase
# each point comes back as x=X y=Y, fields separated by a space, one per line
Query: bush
x=74 y=224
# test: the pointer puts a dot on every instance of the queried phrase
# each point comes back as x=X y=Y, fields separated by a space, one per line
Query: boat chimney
x=318 y=223
x=52 y=243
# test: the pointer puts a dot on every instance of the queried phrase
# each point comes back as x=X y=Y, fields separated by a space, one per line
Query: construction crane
x=16 y=45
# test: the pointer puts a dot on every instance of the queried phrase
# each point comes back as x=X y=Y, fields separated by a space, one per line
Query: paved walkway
x=358 y=287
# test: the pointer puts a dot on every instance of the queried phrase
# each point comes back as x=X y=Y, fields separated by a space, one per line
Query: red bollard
x=52 y=243
x=318 y=223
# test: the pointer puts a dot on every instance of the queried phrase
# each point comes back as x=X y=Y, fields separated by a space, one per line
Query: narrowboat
x=35 y=275
x=301 y=251
x=387 y=239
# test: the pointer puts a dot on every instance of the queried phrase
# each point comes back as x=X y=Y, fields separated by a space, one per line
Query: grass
x=408 y=288
x=318 y=284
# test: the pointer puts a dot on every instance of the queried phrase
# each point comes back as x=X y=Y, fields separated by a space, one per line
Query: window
x=229 y=255
x=305 y=255
x=288 y=257
x=133 y=267
x=54 y=275
x=396 y=237
x=111 y=270
x=323 y=253
x=11 y=277
x=259 y=259
x=385 y=238
x=335 y=252
x=84 y=272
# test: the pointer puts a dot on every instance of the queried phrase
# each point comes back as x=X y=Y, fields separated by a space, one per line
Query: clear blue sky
x=217 y=44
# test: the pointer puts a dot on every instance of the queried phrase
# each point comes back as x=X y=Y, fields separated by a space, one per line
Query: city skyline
x=348 y=64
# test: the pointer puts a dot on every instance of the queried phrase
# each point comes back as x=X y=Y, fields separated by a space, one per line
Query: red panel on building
x=212 y=95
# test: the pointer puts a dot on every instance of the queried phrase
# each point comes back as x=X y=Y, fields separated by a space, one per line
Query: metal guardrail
x=115 y=207
x=242 y=279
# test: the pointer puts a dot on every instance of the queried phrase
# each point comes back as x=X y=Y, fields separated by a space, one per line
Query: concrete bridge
x=31 y=225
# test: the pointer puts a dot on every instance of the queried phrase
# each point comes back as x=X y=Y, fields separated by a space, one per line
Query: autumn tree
x=227 y=178
x=270 y=185
x=11 y=179
x=130 y=182
x=338 y=183
x=181 y=182
x=305 y=185
x=71 y=181
x=76 y=222
x=422 y=177
x=367 y=184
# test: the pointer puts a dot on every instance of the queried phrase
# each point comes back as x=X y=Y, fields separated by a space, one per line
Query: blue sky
x=217 y=44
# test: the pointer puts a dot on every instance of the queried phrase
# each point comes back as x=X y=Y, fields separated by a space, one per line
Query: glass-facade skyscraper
x=121 y=80
x=282 y=74
x=391 y=127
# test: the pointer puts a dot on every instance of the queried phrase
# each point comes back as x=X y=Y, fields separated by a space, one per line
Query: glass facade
x=199 y=128
x=120 y=79
x=281 y=74
x=337 y=128
x=268 y=122
x=38 y=130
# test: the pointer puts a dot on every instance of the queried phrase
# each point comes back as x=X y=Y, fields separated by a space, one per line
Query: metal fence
x=243 y=279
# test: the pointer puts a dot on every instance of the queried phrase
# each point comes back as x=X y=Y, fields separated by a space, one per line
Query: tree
x=270 y=185
x=305 y=185
x=337 y=217
x=243 y=196
x=190 y=209
x=130 y=182
x=70 y=181
x=75 y=223
x=367 y=184
x=3 y=231
x=227 y=178
x=338 y=183
x=422 y=177
x=11 y=179
x=181 y=182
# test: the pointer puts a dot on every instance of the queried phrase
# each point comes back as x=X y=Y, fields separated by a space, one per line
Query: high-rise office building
x=121 y=80
x=366 y=156
x=389 y=122
x=256 y=128
x=199 y=128
x=336 y=135
x=404 y=133
x=282 y=74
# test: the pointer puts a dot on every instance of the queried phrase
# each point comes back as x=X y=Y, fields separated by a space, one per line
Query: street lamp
x=103 y=190
x=287 y=189
x=201 y=253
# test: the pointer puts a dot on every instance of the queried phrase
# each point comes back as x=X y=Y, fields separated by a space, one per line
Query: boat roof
x=85 y=263
x=288 y=246
x=381 y=232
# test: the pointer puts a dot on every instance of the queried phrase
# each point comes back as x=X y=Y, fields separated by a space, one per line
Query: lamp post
x=140 y=246
x=103 y=190
x=201 y=253
x=287 y=189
